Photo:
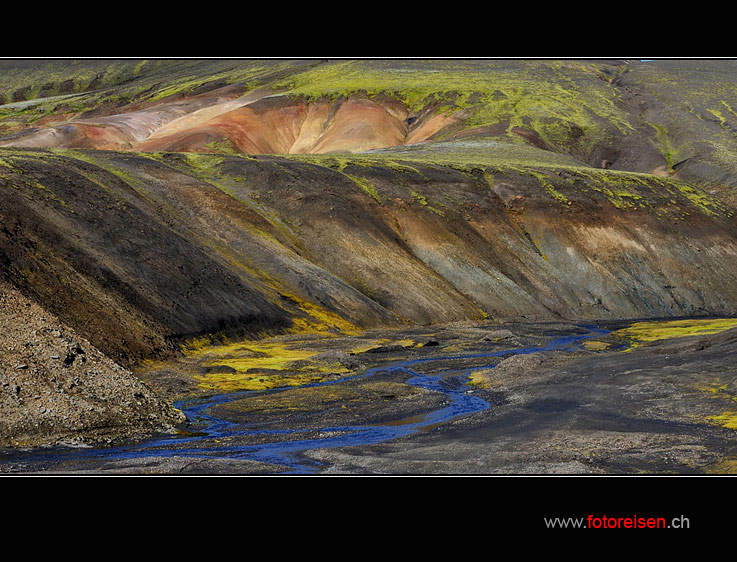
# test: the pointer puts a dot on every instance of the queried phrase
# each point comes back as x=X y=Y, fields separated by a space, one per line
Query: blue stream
x=287 y=453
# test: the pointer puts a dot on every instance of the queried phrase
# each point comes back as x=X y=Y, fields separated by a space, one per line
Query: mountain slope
x=146 y=252
x=148 y=203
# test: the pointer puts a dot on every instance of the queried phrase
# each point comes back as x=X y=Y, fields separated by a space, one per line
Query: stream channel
x=217 y=438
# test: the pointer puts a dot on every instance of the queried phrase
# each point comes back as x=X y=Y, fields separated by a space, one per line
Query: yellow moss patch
x=478 y=378
x=229 y=382
x=404 y=343
x=641 y=332
x=258 y=355
x=595 y=345
x=260 y=365
x=370 y=344
x=725 y=466
x=727 y=419
x=366 y=346
x=195 y=345
x=718 y=390
x=714 y=388
x=320 y=319
x=265 y=364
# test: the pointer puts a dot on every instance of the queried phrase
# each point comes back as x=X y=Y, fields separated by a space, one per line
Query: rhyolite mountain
x=147 y=203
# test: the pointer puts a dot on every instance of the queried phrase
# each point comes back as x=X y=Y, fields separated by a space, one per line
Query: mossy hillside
x=213 y=168
x=34 y=80
x=31 y=90
x=491 y=91
x=565 y=186
x=693 y=112
x=139 y=79
x=573 y=107
x=561 y=178
x=85 y=177
x=560 y=100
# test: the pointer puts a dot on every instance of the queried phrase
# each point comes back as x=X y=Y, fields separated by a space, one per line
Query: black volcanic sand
x=646 y=411
x=643 y=411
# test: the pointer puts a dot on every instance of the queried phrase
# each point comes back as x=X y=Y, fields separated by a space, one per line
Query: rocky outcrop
x=55 y=387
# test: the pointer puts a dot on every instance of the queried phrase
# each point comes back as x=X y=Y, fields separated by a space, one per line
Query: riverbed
x=463 y=399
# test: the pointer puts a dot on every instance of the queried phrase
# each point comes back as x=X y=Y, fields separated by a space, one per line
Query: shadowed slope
x=482 y=189
x=142 y=253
